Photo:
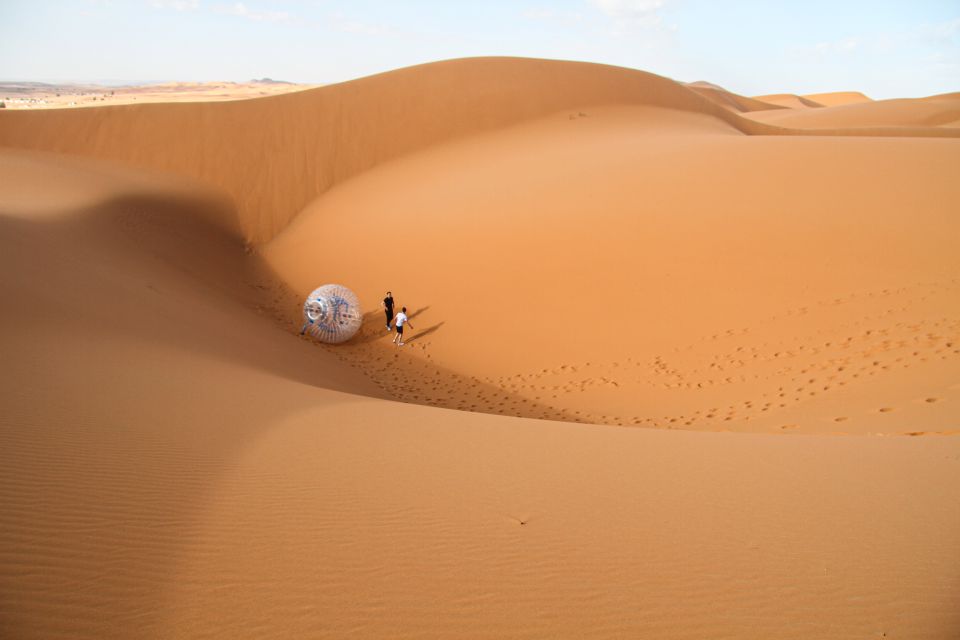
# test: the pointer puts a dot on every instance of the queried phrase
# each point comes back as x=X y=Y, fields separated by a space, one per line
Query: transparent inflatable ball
x=332 y=314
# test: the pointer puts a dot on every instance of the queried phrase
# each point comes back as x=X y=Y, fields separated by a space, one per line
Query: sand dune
x=923 y=112
x=643 y=301
x=789 y=100
x=955 y=95
x=577 y=244
x=729 y=99
x=175 y=464
x=837 y=98
x=308 y=141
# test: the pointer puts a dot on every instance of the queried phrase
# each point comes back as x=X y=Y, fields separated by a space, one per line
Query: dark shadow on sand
x=424 y=333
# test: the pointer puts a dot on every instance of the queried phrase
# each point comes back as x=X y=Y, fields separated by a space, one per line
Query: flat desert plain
x=39 y=95
x=683 y=364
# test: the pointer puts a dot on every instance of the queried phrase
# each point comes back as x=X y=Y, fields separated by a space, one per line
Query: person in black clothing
x=388 y=308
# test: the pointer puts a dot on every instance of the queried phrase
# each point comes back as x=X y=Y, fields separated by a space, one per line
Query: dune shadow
x=150 y=300
x=159 y=278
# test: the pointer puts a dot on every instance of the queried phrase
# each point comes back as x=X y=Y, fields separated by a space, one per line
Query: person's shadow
x=414 y=314
x=424 y=333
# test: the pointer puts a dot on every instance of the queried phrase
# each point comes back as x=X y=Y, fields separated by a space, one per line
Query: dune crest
x=836 y=98
x=274 y=155
x=789 y=100
x=729 y=99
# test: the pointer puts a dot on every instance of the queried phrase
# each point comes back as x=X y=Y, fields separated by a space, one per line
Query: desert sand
x=935 y=111
x=685 y=365
x=837 y=98
x=729 y=99
x=790 y=101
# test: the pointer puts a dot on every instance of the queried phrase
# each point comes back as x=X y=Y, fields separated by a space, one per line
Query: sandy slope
x=647 y=285
x=175 y=462
x=130 y=335
x=729 y=99
x=176 y=466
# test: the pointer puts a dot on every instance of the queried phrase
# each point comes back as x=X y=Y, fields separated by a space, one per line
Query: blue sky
x=883 y=48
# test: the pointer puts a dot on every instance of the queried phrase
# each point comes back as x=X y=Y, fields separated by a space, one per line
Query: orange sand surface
x=675 y=373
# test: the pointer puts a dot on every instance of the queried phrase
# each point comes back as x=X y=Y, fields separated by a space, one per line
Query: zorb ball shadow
x=331 y=314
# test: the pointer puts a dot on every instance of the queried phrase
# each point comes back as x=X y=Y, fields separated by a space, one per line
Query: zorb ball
x=331 y=314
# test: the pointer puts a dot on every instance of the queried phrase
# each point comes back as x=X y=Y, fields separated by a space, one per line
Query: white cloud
x=543 y=14
x=341 y=22
x=353 y=26
x=821 y=49
x=241 y=10
x=638 y=12
x=628 y=8
x=178 y=5
x=941 y=37
x=941 y=33
x=631 y=15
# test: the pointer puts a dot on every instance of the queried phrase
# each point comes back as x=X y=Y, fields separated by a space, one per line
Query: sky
x=884 y=48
